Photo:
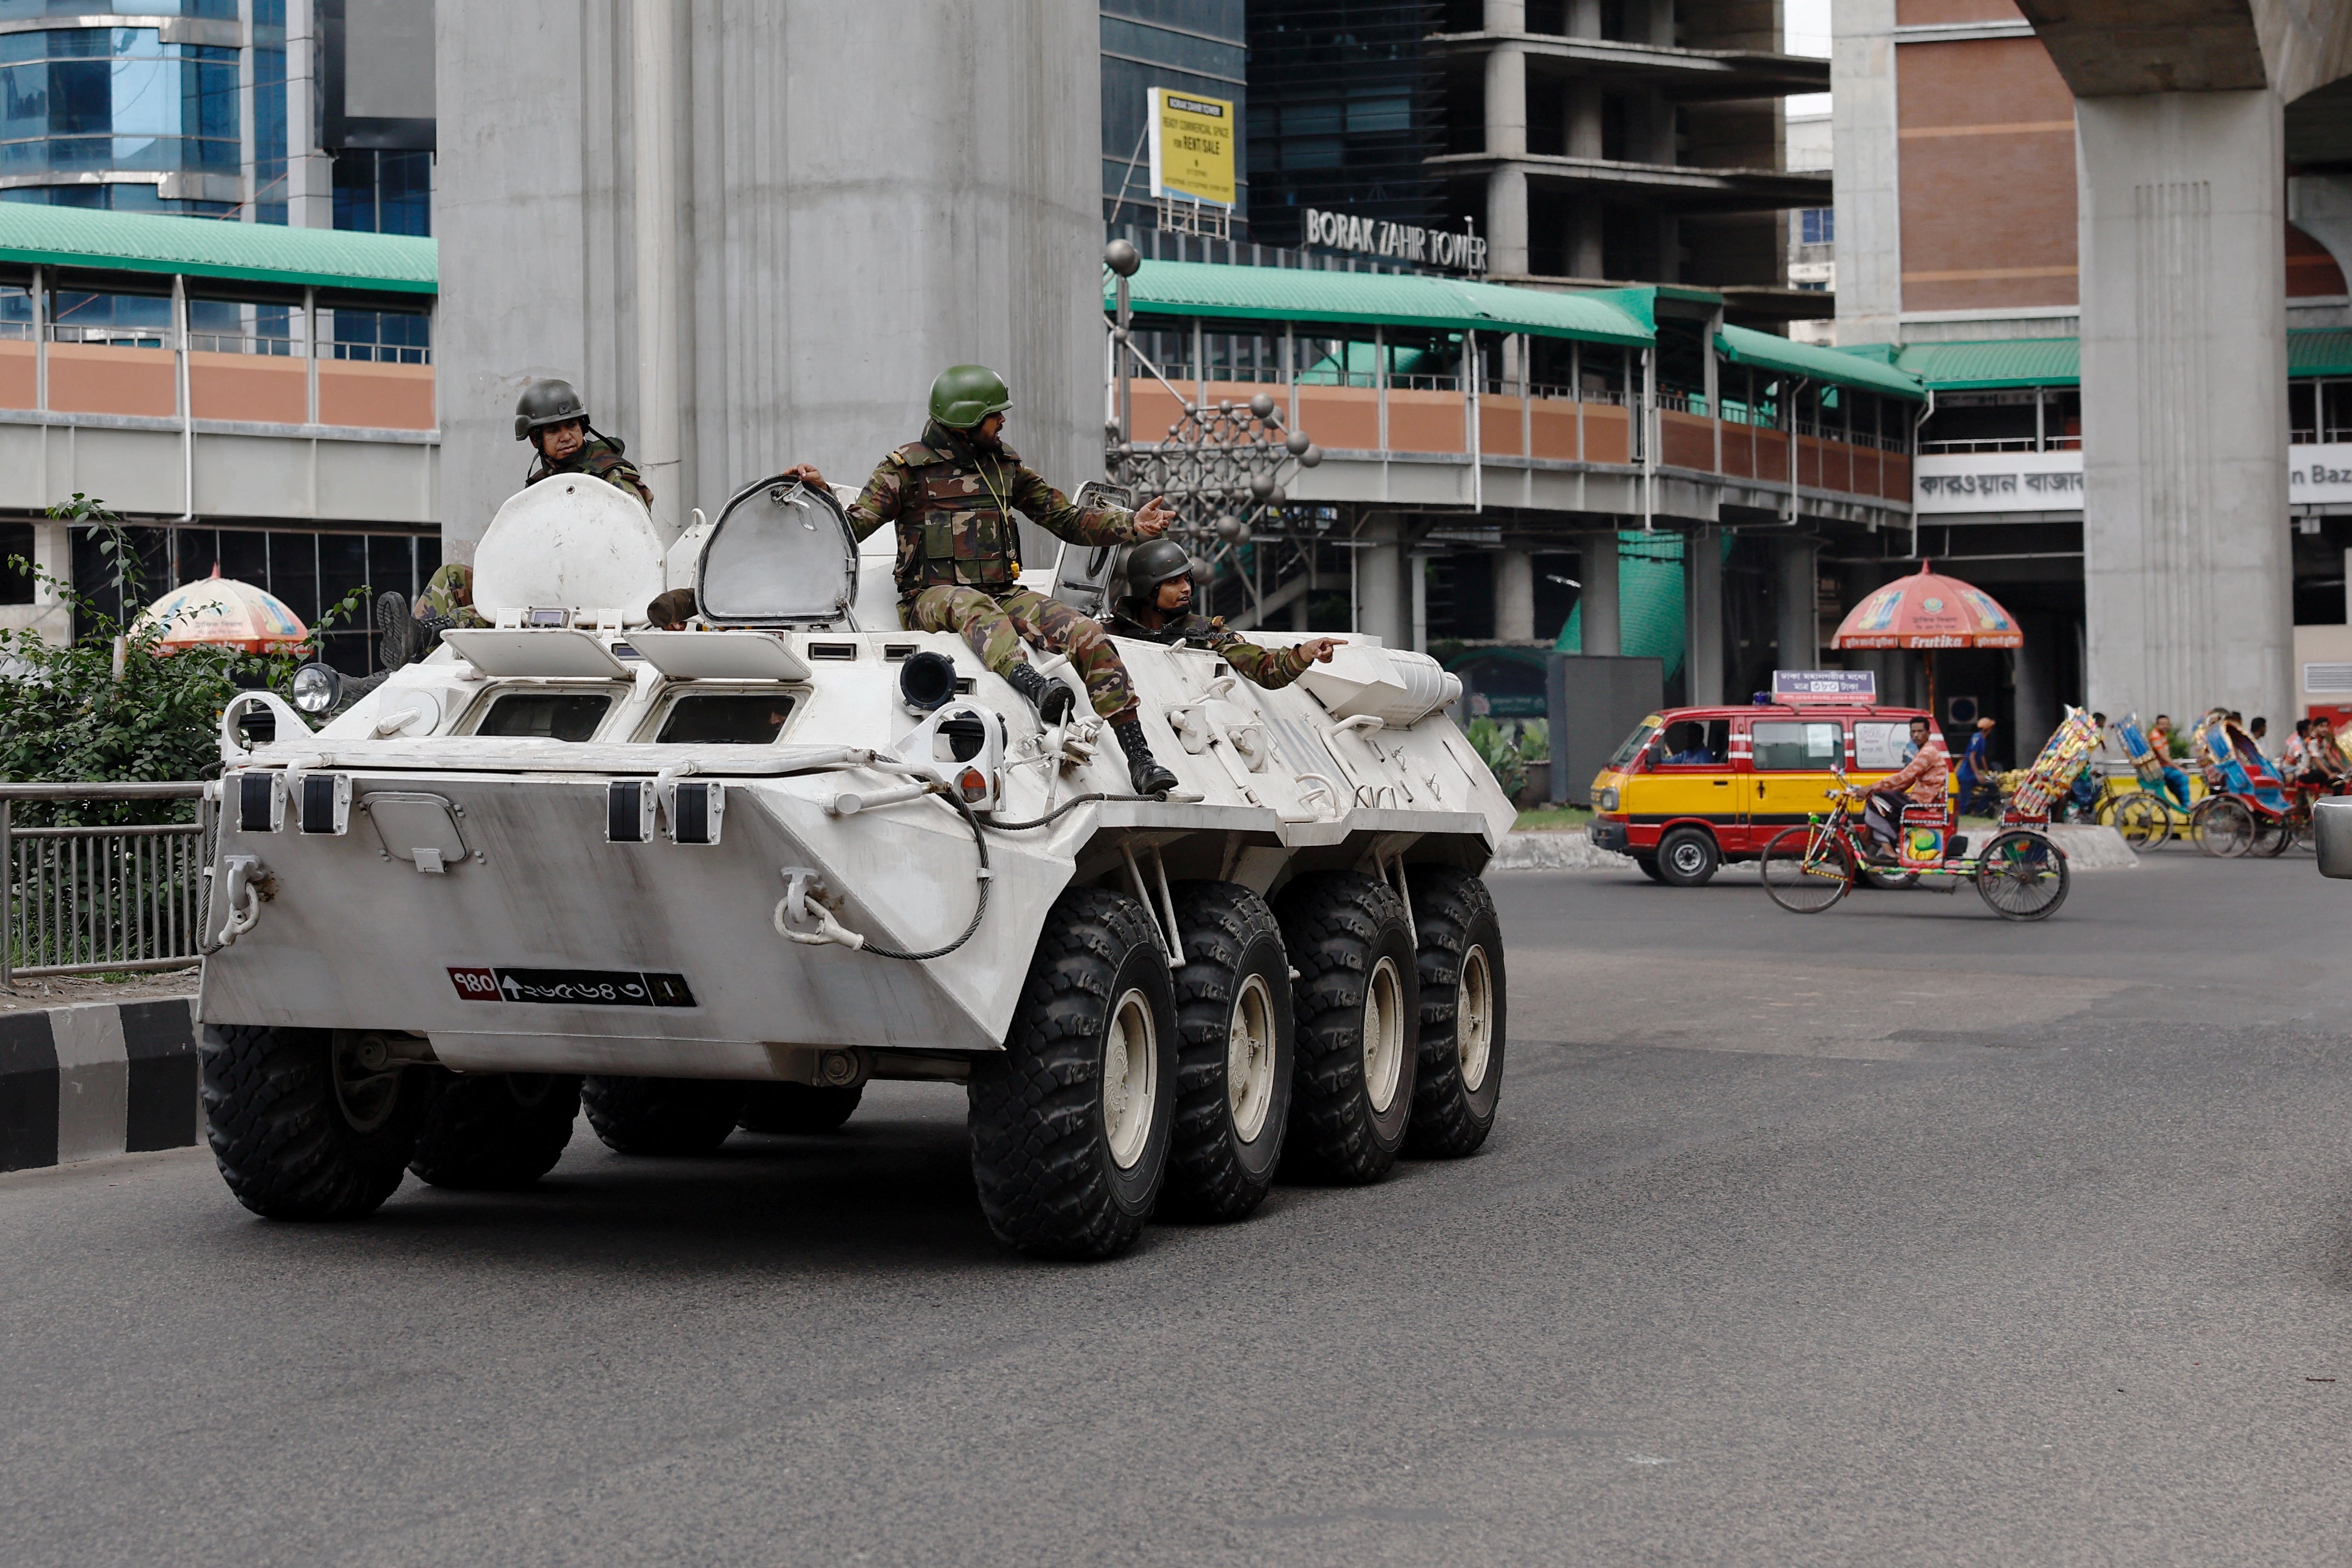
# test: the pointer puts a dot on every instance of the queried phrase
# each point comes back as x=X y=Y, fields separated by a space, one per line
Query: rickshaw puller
x=1922 y=782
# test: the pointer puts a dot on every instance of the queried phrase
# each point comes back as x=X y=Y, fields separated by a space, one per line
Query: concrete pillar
x=1598 y=598
x=1865 y=151
x=972 y=211
x=2188 y=584
x=1381 y=608
x=1515 y=596
x=1797 y=623
x=1703 y=616
x=1299 y=620
x=1506 y=137
x=52 y=617
x=1584 y=18
x=2034 y=681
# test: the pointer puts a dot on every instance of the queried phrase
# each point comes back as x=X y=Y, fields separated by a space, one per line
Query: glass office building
x=1189 y=46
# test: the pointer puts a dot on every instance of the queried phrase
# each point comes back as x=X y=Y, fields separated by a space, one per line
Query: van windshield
x=1623 y=757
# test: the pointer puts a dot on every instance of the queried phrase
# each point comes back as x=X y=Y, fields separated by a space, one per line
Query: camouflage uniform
x=959 y=555
x=602 y=458
x=1269 y=667
x=448 y=597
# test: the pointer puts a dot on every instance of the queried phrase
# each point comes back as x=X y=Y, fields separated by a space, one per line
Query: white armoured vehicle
x=724 y=876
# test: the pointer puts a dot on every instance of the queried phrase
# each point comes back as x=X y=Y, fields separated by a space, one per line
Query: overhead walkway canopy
x=1762 y=350
x=1196 y=288
x=2019 y=363
x=42 y=235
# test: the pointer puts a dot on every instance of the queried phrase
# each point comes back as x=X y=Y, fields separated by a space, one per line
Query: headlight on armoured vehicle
x=317 y=689
x=1607 y=800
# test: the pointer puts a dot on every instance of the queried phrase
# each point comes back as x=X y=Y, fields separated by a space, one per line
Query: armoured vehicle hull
x=811 y=848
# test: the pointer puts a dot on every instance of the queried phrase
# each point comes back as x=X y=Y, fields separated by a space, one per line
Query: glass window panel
x=1881 y=744
x=294 y=574
x=546 y=715
x=1792 y=746
x=244 y=555
x=81 y=96
x=733 y=718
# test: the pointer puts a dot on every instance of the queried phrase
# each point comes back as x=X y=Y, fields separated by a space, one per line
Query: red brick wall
x=1986 y=129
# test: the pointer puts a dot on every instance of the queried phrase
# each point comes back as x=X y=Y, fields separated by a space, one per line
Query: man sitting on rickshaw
x=2324 y=765
x=1925 y=780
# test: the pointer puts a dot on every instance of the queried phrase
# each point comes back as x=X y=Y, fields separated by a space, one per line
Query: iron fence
x=98 y=898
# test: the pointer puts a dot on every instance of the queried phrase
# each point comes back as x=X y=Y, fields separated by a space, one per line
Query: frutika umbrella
x=1927 y=611
x=219 y=611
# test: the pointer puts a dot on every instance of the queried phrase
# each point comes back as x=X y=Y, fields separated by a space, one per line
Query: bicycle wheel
x=2224 y=826
x=1806 y=870
x=2142 y=820
x=2023 y=876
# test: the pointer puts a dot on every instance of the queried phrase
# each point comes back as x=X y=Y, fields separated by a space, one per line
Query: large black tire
x=1358 y=982
x=661 y=1116
x=1649 y=867
x=1233 y=1053
x=299 y=1130
x=494 y=1131
x=1069 y=1155
x=803 y=1109
x=1460 y=1076
x=1688 y=857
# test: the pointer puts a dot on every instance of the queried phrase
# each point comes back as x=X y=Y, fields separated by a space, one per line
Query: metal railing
x=102 y=898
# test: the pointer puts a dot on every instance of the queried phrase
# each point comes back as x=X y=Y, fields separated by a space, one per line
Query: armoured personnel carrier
x=726 y=876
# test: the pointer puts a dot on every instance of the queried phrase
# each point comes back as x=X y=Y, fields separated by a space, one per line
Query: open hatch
x=781 y=554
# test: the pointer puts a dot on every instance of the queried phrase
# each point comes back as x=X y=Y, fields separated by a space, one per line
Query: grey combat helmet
x=547 y=403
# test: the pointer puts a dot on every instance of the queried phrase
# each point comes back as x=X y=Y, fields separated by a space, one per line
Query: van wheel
x=661 y=1116
x=1071 y=1120
x=1687 y=857
x=806 y=1109
x=305 y=1123
x=493 y=1131
x=1357 y=1007
x=1461 y=1009
x=1233 y=1055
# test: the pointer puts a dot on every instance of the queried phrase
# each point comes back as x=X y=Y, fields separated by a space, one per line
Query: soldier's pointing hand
x=1320 y=648
x=1153 y=519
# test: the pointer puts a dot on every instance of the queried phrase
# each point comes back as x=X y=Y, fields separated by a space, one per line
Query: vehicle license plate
x=572 y=987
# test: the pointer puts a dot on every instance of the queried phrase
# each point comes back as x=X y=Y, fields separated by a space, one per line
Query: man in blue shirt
x=1977 y=771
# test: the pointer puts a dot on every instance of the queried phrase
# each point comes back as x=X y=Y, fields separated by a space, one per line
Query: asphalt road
x=1896 y=1234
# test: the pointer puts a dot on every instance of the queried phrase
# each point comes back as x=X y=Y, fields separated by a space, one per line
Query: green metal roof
x=2319 y=351
x=2016 y=363
x=211 y=247
x=1743 y=346
x=1385 y=299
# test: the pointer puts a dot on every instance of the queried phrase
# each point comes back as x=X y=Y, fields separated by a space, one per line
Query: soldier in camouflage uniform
x=1158 y=608
x=550 y=416
x=952 y=496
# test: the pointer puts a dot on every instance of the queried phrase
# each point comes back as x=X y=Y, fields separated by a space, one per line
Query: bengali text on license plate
x=572 y=987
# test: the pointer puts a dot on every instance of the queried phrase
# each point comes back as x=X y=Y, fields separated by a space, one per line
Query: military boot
x=1051 y=699
x=1150 y=776
x=394 y=641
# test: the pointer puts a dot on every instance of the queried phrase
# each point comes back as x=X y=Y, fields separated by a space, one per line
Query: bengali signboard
x=1854 y=685
x=1996 y=482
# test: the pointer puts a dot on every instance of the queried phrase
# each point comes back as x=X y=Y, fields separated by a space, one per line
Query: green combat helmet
x=1154 y=562
x=547 y=403
x=966 y=394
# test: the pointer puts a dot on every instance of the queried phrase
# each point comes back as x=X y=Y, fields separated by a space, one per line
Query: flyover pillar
x=1703 y=617
x=1515 y=596
x=1797 y=626
x=2187 y=575
x=1381 y=609
x=1598 y=598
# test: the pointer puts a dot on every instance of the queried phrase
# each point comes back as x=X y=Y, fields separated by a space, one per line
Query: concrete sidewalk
x=93 y=1078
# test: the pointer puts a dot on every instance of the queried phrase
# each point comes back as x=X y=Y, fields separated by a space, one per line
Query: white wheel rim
x=1249 y=1058
x=1131 y=1078
x=1383 y=1035
x=1473 y=1018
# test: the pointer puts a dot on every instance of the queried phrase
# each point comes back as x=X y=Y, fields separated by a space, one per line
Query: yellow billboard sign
x=1191 y=147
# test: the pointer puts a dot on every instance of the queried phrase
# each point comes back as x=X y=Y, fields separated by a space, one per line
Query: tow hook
x=801 y=917
x=249 y=884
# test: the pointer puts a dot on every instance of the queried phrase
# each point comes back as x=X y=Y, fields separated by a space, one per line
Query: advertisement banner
x=1191 y=146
